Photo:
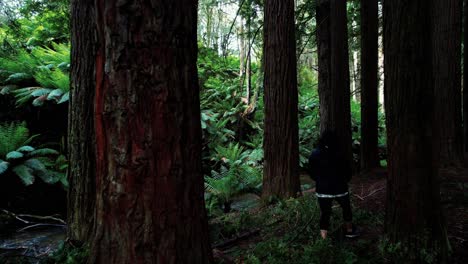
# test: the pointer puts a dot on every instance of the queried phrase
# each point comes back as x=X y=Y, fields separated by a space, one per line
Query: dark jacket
x=330 y=170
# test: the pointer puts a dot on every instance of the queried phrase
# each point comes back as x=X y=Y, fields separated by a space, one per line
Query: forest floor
x=288 y=232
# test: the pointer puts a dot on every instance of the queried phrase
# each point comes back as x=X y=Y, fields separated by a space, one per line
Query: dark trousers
x=326 y=209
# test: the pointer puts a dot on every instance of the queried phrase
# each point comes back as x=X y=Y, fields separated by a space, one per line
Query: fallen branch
x=15 y=216
x=362 y=198
x=235 y=239
x=44 y=218
x=36 y=225
x=20 y=217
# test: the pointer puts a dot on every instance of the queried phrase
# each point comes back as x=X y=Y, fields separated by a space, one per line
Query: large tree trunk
x=447 y=31
x=369 y=85
x=281 y=142
x=414 y=213
x=150 y=190
x=465 y=77
x=334 y=93
x=81 y=139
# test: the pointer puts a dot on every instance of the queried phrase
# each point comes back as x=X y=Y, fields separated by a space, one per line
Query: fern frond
x=25 y=149
x=43 y=152
x=25 y=174
x=4 y=165
x=12 y=136
x=35 y=164
x=65 y=98
x=14 y=155
x=50 y=177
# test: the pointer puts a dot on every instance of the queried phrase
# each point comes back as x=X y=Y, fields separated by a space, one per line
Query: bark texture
x=150 y=190
x=81 y=140
x=369 y=85
x=447 y=32
x=414 y=213
x=334 y=91
x=281 y=142
x=465 y=77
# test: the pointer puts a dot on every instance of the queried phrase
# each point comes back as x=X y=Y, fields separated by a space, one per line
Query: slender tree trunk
x=81 y=139
x=150 y=193
x=248 y=64
x=281 y=143
x=353 y=78
x=447 y=32
x=369 y=85
x=414 y=213
x=209 y=25
x=249 y=75
x=356 y=86
x=333 y=61
x=242 y=48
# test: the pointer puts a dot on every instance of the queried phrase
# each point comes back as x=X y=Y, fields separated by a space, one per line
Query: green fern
x=45 y=70
x=239 y=173
x=14 y=155
x=27 y=162
x=24 y=173
x=13 y=136
x=4 y=165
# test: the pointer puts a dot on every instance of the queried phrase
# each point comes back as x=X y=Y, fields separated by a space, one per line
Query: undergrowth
x=289 y=233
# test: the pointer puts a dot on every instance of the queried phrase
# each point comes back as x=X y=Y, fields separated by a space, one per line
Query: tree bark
x=281 y=142
x=81 y=140
x=414 y=213
x=465 y=77
x=150 y=190
x=369 y=85
x=333 y=62
x=447 y=32
x=242 y=51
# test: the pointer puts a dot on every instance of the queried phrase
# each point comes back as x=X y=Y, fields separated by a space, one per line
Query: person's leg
x=347 y=213
x=325 y=212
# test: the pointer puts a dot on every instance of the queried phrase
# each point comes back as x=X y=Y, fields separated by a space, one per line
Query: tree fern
x=26 y=161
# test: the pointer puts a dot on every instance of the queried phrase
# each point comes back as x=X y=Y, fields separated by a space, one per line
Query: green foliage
x=13 y=136
x=27 y=162
x=400 y=252
x=290 y=234
x=36 y=23
x=239 y=173
x=38 y=76
x=309 y=118
x=68 y=255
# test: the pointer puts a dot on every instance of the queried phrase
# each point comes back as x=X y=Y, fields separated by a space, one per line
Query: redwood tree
x=414 y=214
x=465 y=77
x=447 y=32
x=150 y=190
x=81 y=139
x=333 y=87
x=281 y=142
x=369 y=84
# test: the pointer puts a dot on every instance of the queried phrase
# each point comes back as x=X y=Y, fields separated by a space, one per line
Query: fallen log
x=234 y=240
